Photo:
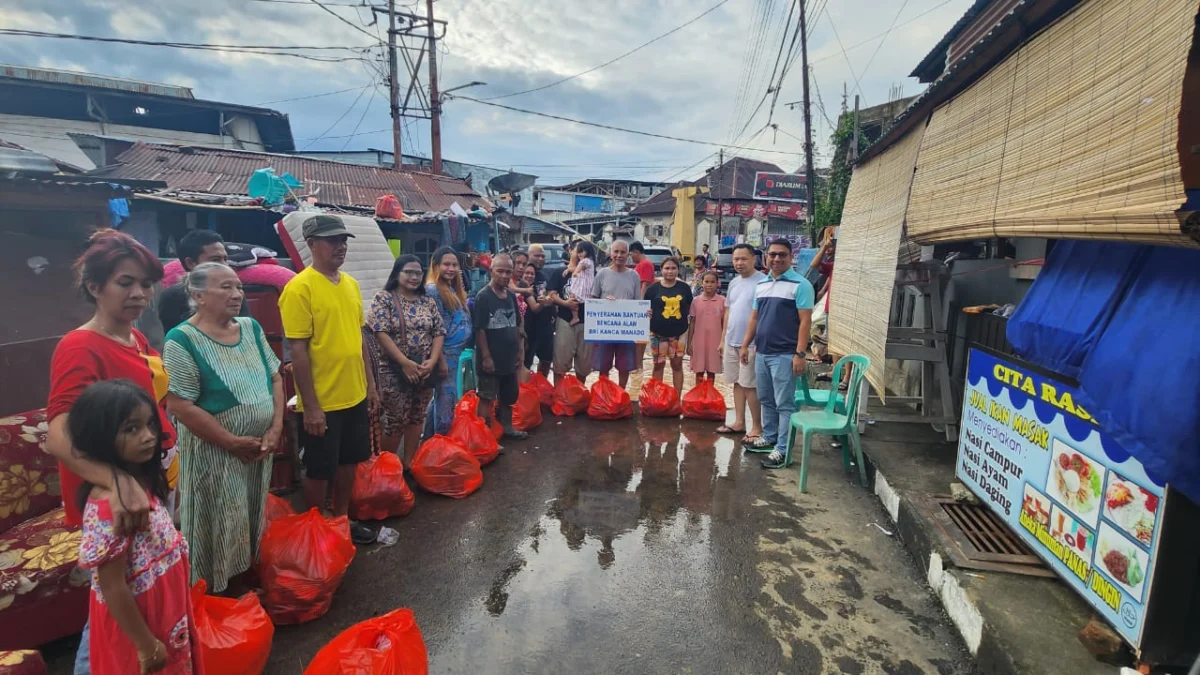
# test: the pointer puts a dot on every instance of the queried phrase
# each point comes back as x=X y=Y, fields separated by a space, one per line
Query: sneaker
x=775 y=460
x=516 y=435
x=361 y=534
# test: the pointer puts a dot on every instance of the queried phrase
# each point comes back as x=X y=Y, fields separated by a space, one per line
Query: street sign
x=787 y=187
x=616 y=321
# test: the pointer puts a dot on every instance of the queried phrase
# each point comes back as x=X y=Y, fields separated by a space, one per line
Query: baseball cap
x=325 y=225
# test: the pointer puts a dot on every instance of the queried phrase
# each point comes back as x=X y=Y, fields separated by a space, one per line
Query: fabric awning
x=1074 y=135
x=860 y=295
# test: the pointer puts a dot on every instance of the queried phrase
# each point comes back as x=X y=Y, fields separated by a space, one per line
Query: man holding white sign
x=617 y=282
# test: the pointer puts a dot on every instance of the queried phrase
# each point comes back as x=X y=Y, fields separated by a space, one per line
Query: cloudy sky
x=701 y=82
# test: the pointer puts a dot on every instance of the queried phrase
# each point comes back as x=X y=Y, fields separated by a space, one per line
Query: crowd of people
x=147 y=441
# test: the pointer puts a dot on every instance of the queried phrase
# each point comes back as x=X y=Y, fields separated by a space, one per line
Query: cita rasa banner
x=1032 y=454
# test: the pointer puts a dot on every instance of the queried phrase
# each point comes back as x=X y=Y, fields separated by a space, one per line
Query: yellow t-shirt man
x=330 y=317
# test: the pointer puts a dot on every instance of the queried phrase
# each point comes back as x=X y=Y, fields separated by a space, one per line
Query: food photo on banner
x=1113 y=531
x=616 y=321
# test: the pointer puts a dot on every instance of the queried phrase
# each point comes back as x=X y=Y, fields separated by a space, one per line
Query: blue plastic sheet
x=1074 y=298
x=1141 y=378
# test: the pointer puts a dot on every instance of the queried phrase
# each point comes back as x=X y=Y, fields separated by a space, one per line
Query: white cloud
x=691 y=84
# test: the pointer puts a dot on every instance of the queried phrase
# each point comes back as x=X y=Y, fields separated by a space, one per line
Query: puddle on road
x=632 y=524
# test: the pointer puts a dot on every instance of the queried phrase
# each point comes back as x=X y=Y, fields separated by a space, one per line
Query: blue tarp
x=1123 y=320
x=1073 y=300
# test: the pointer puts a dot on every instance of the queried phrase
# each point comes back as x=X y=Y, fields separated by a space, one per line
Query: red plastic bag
x=388 y=206
x=609 y=401
x=704 y=402
x=301 y=560
x=443 y=466
x=571 y=398
x=234 y=634
x=380 y=490
x=472 y=433
x=527 y=413
x=545 y=390
x=659 y=399
x=385 y=645
x=469 y=405
x=276 y=507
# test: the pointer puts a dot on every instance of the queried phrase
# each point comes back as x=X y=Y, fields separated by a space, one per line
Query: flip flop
x=726 y=429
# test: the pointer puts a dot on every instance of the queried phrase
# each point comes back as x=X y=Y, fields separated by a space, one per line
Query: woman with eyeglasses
x=409 y=334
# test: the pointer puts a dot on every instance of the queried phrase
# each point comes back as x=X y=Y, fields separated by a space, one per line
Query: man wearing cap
x=322 y=311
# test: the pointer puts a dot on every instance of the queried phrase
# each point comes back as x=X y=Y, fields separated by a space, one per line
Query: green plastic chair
x=842 y=425
x=816 y=398
x=466 y=372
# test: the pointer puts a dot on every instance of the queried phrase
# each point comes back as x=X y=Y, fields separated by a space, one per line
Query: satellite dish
x=511 y=183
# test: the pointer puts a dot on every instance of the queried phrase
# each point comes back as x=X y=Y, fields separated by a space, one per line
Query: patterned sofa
x=43 y=594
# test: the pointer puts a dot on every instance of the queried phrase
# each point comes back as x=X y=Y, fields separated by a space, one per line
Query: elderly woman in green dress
x=227 y=396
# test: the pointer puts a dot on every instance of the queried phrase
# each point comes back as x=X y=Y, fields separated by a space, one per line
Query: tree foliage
x=831 y=194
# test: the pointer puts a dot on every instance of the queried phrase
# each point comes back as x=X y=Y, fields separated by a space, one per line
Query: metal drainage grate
x=976 y=538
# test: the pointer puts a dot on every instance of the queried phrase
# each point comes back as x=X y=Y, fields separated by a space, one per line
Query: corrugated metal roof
x=226 y=172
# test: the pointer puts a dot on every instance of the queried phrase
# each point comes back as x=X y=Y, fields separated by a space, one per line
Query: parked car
x=724 y=265
x=556 y=259
x=657 y=254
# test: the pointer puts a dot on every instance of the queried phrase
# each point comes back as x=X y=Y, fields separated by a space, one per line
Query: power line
x=880 y=45
x=154 y=43
x=361 y=117
x=339 y=119
x=871 y=39
x=638 y=48
x=260 y=50
x=346 y=21
x=843 y=48
x=304 y=98
x=614 y=128
x=308 y=4
x=754 y=44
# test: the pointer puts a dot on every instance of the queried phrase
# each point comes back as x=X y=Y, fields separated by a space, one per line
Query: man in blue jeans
x=779 y=327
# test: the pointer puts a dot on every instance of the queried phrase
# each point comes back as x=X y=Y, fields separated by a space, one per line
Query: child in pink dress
x=704 y=335
x=140 y=611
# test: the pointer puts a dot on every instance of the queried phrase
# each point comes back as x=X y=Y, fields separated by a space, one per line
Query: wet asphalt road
x=646 y=546
x=643 y=547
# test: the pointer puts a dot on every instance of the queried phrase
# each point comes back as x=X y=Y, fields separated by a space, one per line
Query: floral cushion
x=43 y=593
x=22 y=662
x=28 y=475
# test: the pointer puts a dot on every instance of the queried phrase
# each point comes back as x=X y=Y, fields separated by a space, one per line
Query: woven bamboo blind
x=1072 y=136
x=861 y=293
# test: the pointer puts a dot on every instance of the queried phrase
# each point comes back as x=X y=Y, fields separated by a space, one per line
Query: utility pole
x=435 y=104
x=854 y=148
x=397 y=157
x=720 y=181
x=810 y=173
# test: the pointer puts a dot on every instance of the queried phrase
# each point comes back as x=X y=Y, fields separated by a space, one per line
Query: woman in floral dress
x=408 y=344
x=227 y=396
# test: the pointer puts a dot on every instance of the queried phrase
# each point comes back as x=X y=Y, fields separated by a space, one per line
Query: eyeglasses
x=411 y=273
x=778 y=254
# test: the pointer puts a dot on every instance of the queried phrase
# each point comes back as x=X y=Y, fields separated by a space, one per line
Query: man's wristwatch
x=803 y=354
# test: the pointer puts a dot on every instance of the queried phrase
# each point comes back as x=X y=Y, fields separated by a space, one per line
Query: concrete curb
x=983 y=641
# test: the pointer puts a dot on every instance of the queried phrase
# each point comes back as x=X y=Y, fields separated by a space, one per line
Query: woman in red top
x=117 y=275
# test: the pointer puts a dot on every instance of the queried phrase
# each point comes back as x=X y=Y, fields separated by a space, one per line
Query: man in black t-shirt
x=197 y=246
x=540 y=324
x=569 y=347
x=499 y=342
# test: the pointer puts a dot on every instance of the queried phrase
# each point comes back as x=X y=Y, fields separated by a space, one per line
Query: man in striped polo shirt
x=779 y=327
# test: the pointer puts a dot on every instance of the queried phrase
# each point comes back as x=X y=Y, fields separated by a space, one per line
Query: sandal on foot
x=758 y=444
x=726 y=429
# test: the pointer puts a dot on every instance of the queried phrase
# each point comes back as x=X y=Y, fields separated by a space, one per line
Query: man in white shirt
x=739 y=301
